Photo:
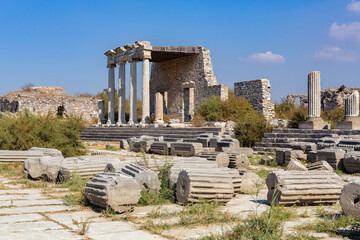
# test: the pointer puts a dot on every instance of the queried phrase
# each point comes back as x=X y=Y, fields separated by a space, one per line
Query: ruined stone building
x=181 y=78
x=330 y=97
x=259 y=95
x=53 y=99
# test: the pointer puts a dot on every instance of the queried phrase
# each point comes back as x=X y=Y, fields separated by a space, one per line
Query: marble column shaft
x=121 y=94
x=133 y=94
x=111 y=94
x=352 y=105
x=145 y=90
x=314 y=95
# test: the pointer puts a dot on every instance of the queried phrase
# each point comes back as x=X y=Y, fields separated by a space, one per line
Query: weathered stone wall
x=258 y=92
x=43 y=103
x=330 y=97
x=173 y=76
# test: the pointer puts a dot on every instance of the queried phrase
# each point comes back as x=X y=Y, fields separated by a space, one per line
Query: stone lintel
x=314 y=123
x=189 y=84
x=349 y=123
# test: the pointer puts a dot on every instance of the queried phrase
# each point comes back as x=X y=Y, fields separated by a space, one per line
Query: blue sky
x=61 y=43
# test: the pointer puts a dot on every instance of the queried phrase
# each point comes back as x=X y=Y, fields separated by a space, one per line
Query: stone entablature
x=258 y=92
x=183 y=76
x=43 y=103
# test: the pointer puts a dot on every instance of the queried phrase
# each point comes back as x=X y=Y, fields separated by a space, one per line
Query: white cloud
x=336 y=54
x=267 y=57
x=354 y=6
x=346 y=31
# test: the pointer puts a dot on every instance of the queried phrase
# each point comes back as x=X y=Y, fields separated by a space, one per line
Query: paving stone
x=127 y=235
x=20 y=218
x=66 y=218
x=31 y=202
x=29 y=226
x=22 y=197
x=35 y=209
x=20 y=191
x=39 y=235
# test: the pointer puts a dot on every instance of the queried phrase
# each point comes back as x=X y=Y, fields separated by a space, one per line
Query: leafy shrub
x=250 y=125
x=294 y=112
x=211 y=109
x=333 y=116
x=25 y=130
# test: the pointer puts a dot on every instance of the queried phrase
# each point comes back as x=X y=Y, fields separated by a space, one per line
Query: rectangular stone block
x=333 y=156
x=162 y=148
x=186 y=149
x=291 y=155
x=280 y=155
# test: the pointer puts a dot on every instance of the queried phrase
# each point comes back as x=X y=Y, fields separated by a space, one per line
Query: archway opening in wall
x=60 y=111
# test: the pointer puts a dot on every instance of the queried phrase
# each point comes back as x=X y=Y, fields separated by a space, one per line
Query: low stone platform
x=282 y=137
x=115 y=134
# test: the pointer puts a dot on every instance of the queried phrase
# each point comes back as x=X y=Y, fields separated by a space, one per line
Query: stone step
x=113 y=134
x=296 y=135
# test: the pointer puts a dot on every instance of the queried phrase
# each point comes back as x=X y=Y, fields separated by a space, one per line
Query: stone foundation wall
x=259 y=94
x=43 y=103
x=173 y=76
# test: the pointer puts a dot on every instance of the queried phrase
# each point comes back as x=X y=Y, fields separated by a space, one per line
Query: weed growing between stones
x=166 y=194
x=204 y=213
x=76 y=184
x=83 y=225
x=263 y=173
x=334 y=224
x=11 y=169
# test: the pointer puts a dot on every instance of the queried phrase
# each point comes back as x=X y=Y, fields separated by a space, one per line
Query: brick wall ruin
x=49 y=99
x=175 y=77
x=258 y=93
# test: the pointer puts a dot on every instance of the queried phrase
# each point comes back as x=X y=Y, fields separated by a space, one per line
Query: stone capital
x=111 y=66
x=110 y=52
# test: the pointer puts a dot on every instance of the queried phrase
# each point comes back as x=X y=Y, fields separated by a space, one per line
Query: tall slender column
x=111 y=94
x=314 y=94
x=159 y=108
x=145 y=91
x=133 y=94
x=121 y=94
x=352 y=105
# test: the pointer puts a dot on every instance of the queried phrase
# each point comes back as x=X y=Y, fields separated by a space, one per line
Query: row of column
x=132 y=95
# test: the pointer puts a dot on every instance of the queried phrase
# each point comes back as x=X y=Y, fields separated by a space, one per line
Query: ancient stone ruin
x=181 y=78
x=49 y=99
x=259 y=95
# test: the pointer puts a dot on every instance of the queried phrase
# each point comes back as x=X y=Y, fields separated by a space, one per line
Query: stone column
x=145 y=91
x=351 y=120
x=121 y=94
x=352 y=105
x=111 y=94
x=133 y=94
x=314 y=94
x=159 y=113
x=314 y=104
x=101 y=112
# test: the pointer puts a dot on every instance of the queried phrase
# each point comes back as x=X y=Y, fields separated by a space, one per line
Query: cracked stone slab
x=29 y=227
x=22 y=197
x=37 y=235
x=21 y=203
x=66 y=218
x=35 y=209
x=20 y=191
x=20 y=218
x=127 y=235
